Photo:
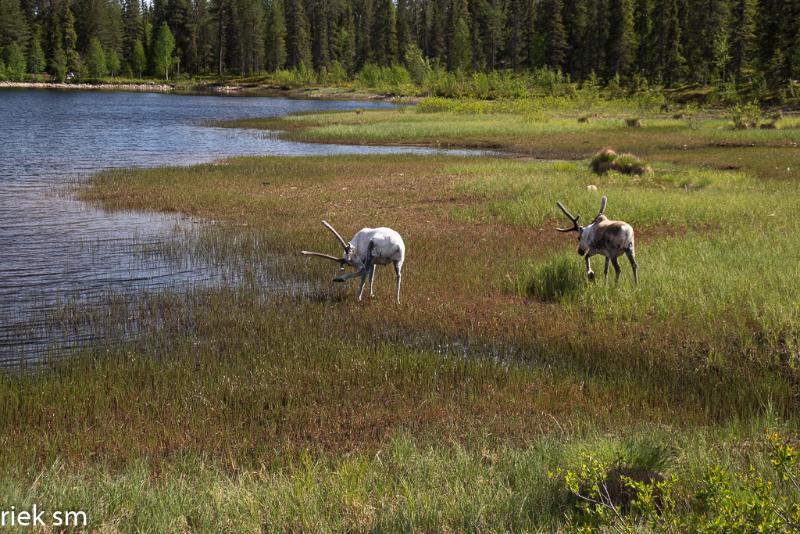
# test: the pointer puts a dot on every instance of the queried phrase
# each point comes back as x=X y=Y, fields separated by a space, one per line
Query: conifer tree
x=58 y=64
x=553 y=32
x=138 y=59
x=363 y=14
x=384 y=33
x=132 y=32
x=742 y=37
x=71 y=41
x=344 y=40
x=36 y=59
x=96 y=59
x=13 y=26
x=578 y=56
x=405 y=28
x=668 y=63
x=643 y=26
x=461 y=52
x=15 y=62
x=517 y=33
x=298 y=44
x=320 y=40
x=620 y=55
x=250 y=33
x=276 y=36
x=495 y=31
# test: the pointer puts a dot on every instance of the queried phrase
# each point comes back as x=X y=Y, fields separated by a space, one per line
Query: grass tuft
x=556 y=280
x=630 y=164
x=602 y=161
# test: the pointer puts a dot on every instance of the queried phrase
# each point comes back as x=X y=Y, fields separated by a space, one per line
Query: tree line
x=662 y=41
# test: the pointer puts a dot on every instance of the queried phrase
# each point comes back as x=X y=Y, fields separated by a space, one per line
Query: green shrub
x=384 y=79
x=294 y=78
x=417 y=64
x=15 y=62
x=550 y=80
x=746 y=117
x=723 y=501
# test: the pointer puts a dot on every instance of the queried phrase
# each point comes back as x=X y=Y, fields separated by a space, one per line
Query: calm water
x=56 y=250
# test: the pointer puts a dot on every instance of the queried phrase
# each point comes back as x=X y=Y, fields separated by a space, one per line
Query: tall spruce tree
x=461 y=49
x=516 y=44
x=495 y=31
x=578 y=56
x=742 y=36
x=36 y=58
x=553 y=32
x=298 y=44
x=13 y=25
x=70 y=40
x=643 y=26
x=276 y=36
x=138 y=59
x=667 y=61
x=132 y=32
x=344 y=40
x=621 y=50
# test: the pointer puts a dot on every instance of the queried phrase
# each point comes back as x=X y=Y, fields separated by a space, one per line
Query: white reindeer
x=368 y=248
x=603 y=236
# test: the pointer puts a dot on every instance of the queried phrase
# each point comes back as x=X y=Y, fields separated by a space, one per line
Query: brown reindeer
x=603 y=236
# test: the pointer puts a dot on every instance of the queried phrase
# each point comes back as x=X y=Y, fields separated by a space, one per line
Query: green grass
x=552 y=131
x=279 y=403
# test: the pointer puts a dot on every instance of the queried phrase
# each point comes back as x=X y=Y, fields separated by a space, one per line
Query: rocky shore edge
x=144 y=87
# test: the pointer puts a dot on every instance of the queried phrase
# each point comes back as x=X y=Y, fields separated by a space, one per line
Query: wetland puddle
x=58 y=254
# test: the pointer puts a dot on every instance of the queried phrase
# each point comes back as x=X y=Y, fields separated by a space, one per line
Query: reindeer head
x=347 y=256
x=584 y=232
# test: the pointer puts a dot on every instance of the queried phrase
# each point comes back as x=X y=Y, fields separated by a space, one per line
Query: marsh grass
x=554 y=281
x=554 y=133
x=274 y=401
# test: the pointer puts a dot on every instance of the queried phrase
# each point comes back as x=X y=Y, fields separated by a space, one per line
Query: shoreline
x=131 y=87
x=314 y=93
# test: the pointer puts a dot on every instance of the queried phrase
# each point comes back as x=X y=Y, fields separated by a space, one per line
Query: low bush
x=612 y=495
x=746 y=117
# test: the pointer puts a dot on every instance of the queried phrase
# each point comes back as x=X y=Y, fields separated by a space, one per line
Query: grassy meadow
x=279 y=403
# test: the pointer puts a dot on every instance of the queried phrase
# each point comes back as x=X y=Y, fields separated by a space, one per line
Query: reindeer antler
x=603 y=202
x=321 y=255
x=332 y=229
x=572 y=218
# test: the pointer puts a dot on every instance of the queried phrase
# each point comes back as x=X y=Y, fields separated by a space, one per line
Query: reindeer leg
x=615 y=263
x=364 y=274
x=605 y=269
x=371 y=280
x=632 y=258
x=398 y=266
x=589 y=271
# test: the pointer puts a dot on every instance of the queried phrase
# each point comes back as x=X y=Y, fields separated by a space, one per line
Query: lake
x=55 y=250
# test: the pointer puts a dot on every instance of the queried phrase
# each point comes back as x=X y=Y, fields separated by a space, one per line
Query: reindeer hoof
x=590 y=275
x=338 y=279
